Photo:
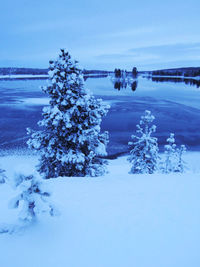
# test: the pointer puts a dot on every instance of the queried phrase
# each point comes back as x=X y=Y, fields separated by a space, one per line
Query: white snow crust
x=117 y=220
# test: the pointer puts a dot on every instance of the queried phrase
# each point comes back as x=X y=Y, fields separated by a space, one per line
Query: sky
x=103 y=34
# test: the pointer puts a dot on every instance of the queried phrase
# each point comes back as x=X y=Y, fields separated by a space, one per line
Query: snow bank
x=118 y=220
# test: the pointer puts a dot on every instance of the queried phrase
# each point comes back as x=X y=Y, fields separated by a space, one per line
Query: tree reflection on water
x=188 y=81
x=125 y=83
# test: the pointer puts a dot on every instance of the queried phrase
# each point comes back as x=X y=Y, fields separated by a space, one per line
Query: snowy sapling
x=171 y=155
x=181 y=163
x=32 y=198
x=174 y=156
x=144 y=147
x=2 y=176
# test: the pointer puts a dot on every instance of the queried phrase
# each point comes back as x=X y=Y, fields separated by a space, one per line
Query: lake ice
x=176 y=107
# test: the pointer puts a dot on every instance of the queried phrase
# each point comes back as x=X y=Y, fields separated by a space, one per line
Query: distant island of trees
x=119 y=73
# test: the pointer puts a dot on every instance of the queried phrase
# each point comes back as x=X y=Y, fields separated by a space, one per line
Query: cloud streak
x=156 y=55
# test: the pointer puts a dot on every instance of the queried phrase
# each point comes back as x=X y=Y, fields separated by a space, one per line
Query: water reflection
x=85 y=77
x=192 y=82
x=125 y=83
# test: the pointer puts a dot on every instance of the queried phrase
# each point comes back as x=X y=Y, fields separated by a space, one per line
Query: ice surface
x=35 y=101
x=176 y=107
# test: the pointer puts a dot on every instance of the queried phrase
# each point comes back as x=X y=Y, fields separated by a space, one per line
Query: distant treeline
x=16 y=71
x=186 y=72
x=96 y=71
x=33 y=71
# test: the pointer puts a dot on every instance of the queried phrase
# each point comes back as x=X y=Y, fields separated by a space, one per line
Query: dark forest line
x=39 y=71
x=184 y=72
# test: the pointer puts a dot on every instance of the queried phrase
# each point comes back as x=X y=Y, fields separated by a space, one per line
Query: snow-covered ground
x=118 y=220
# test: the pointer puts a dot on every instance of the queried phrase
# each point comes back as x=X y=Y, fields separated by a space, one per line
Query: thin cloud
x=130 y=32
x=154 y=55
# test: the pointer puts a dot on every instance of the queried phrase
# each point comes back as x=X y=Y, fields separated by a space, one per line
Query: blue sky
x=101 y=34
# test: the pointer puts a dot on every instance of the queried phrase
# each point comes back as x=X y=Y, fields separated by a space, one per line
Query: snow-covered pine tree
x=31 y=198
x=144 y=147
x=70 y=143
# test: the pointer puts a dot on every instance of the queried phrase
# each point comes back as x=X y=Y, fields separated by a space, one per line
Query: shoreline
x=170 y=76
x=43 y=76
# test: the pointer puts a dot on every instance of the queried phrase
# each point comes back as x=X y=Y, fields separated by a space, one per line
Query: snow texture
x=118 y=220
x=70 y=143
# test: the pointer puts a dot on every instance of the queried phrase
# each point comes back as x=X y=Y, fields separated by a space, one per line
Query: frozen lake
x=175 y=105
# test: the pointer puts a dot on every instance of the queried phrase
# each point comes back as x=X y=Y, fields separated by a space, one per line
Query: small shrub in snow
x=2 y=176
x=181 y=163
x=174 y=156
x=32 y=198
x=170 y=164
x=70 y=143
x=144 y=147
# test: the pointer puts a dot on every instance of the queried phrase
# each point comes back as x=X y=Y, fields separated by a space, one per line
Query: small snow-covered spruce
x=174 y=156
x=170 y=163
x=2 y=176
x=181 y=163
x=144 y=148
x=32 y=199
x=70 y=143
